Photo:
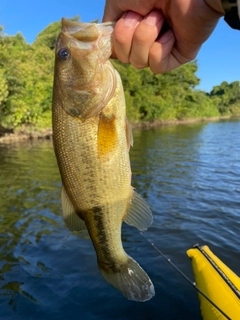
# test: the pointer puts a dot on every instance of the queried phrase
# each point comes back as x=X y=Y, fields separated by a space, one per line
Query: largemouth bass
x=92 y=137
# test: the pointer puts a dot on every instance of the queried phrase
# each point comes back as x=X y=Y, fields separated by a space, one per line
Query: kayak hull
x=218 y=282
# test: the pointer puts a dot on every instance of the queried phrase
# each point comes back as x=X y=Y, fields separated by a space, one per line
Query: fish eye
x=63 y=54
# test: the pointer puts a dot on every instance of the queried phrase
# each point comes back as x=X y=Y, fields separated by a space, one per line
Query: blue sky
x=218 y=58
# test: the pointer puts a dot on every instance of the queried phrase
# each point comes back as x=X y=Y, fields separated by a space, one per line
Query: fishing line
x=193 y=284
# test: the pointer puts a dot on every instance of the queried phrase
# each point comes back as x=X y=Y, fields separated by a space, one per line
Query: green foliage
x=166 y=96
x=26 y=77
x=227 y=97
x=48 y=36
x=3 y=88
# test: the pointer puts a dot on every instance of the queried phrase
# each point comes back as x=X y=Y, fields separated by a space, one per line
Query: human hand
x=136 y=37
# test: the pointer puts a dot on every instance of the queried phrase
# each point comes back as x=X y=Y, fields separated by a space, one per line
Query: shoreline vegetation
x=11 y=136
x=26 y=78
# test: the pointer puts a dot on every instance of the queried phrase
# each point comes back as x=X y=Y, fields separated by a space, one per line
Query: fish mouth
x=87 y=31
x=89 y=79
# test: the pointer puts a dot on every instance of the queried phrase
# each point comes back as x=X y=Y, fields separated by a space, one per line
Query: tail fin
x=132 y=281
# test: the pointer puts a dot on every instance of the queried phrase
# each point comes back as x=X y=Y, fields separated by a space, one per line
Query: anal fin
x=72 y=220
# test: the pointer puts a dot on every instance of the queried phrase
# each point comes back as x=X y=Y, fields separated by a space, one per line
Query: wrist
x=228 y=5
x=232 y=13
x=216 y=5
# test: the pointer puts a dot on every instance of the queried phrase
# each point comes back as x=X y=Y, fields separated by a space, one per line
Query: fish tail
x=131 y=280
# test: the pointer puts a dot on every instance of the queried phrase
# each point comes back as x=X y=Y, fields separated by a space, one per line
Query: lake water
x=190 y=176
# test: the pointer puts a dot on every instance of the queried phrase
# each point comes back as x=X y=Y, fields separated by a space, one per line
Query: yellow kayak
x=219 y=283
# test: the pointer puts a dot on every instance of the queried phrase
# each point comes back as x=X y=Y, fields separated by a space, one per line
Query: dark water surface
x=190 y=176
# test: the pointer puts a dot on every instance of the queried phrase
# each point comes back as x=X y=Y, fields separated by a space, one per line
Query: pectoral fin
x=129 y=134
x=72 y=220
x=139 y=213
x=107 y=135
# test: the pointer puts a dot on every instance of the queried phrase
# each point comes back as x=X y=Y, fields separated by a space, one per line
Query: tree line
x=26 y=78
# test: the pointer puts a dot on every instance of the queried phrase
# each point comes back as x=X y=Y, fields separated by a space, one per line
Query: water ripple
x=190 y=176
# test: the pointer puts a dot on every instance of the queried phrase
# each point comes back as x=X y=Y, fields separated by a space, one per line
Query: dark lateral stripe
x=108 y=264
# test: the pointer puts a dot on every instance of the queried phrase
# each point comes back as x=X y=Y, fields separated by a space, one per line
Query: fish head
x=83 y=74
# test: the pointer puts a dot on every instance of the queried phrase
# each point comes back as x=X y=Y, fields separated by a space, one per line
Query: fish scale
x=91 y=137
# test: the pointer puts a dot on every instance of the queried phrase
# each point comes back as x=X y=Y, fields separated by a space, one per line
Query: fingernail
x=153 y=18
x=131 y=19
x=166 y=37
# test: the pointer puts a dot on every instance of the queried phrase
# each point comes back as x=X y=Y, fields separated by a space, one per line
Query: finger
x=161 y=58
x=114 y=9
x=123 y=35
x=144 y=36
